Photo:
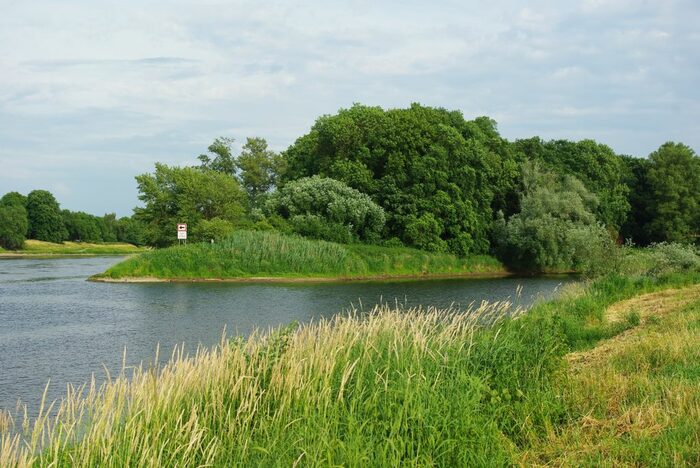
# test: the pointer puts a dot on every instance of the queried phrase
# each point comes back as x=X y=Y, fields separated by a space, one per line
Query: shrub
x=327 y=209
x=212 y=229
x=556 y=227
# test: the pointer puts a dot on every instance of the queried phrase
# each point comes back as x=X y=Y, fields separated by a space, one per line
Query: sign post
x=181 y=233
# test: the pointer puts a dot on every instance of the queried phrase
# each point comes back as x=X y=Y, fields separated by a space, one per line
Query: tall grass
x=396 y=386
x=256 y=253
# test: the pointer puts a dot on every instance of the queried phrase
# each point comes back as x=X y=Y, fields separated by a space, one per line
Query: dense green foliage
x=324 y=208
x=665 y=195
x=556 y=228
x=269 y=254
x=13 y=221
x=436 y=175
x=71 y=226
x=422 y=177
x=674 y=182
x=45 y=220
x=259 y=168
x=189 y=195
x=442 y=182
x=596 y=165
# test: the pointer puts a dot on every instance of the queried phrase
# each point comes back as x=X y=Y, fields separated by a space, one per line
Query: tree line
x=428 y=178
x=39 y=216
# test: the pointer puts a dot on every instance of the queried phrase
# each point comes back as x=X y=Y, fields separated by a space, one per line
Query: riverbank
x=444 y=387
x=34 y=248
x=272 y=257
x=319 y=279
x=634 y=398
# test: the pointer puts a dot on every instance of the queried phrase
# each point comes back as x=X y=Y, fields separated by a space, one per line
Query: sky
x=93 y=93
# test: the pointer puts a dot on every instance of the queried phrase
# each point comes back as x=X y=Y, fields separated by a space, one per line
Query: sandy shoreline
x=282 y=279
x=7 y=255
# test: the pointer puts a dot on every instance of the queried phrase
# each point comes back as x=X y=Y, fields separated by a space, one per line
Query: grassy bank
x=249 y=254
x=40 y=248
x=635 y=398
x=582 y=380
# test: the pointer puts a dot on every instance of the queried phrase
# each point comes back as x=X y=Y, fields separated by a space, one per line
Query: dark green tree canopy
x=45 y=220
x=673 y=179
x=596 y=165
x=437 y=176
x=13 y=198
x=82 y=226
x=13 y=221
x=636 y=227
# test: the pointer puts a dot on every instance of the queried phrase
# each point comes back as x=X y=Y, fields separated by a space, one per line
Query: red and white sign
x=182 y=231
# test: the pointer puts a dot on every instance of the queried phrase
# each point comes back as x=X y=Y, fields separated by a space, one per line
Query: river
x=55 y=325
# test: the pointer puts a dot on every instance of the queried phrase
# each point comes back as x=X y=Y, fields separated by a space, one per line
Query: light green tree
x=556 y=228
x=259 y=167
x=186 y=195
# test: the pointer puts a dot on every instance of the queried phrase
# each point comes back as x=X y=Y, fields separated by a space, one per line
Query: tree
x=212 y=229
x=186 y=195
x=223 y=160
x=636 y=227
x=556 y=227
x=130 y=230
x=259 y=167
x=82 y=226
x=13 y=221
x=674 y=183
x=596 y=165
x=13 y=198
x=45 y=220
x=437 y=176
x=328 y=209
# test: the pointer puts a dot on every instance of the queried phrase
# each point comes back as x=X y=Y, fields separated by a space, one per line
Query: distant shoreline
x=323 y=279
x=13 y=255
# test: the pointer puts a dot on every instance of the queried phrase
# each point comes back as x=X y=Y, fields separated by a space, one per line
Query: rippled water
x=55 y=325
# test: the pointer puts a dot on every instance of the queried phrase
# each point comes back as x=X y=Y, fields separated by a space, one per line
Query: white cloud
x=108 y=87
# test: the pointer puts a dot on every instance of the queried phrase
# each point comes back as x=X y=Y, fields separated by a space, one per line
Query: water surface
x=55 y=325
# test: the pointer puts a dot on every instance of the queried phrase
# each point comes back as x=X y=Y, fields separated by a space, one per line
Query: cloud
x=104 y=89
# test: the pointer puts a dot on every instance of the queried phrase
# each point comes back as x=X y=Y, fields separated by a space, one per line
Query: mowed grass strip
x=269 y=254
x=634 y=399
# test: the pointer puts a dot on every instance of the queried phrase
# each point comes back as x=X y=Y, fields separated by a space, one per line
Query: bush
x=327 y=209
x=556 y=227
x=674 y=257
x=212 y=229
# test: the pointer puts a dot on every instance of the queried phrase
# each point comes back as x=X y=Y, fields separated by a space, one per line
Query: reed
x=271 y=254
